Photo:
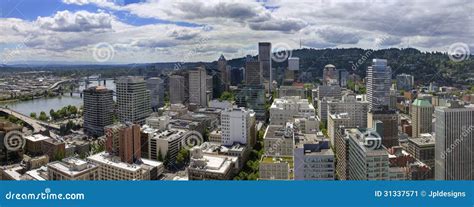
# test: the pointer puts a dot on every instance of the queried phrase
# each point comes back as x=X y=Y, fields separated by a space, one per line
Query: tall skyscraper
x=421 y=117
x=123 y=140
x=222 y=67
x=177 y=89
x=98 y=110
x=265 y=59
x=133 y=99
x=454 y=155
x=198 y=89
x=253 y=73
x=157 y=92
x=378 y=83
x=237 y=125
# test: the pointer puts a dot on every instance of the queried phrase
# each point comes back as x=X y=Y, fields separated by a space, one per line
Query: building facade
x=133 y=99
x=98 y=110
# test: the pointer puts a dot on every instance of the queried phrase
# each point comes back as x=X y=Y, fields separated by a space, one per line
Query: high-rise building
x=405 y=82
x=423 y=149
x=252 y=97
x=177 y=89
x=133 y=99
x=156 y=87
x=332 y=91
x=454 y=155
x=342 y=77
x=198 y=87
x=294 y=63
x=379 y=82
x=123 y=140
x=341 y=147
x=421 y=112
x=238 y=126
x=287 y=108
x=330 y=75
x=389 y=129
x=237 y=76
x=222 y=67
x=313 y=159
x=368 y=159
x=98 y=110
x=265 y=59
x=253 y=74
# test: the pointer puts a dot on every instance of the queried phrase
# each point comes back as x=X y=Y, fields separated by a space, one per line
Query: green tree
x=182 y=157
x=33 y=115
x=227 y=96
x=53 y=114
x=43 y=116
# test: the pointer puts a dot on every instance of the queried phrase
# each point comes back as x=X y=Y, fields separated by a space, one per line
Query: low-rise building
x=279 y=140
x=72 y=169
x=276 y=168
x=313 y=158
x=211 y=167
x=287 y=108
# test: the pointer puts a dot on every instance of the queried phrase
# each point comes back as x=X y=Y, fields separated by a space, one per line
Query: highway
x=37 y=125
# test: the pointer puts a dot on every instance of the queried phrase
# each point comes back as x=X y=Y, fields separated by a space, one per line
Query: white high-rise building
x=287 y=108
x=379 y=81
x=293 y=63
x=133 y=99
x=236 y=126
x=198 y=89
x=454 y=156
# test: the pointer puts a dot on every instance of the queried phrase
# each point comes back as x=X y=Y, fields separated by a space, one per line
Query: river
x=46 y=104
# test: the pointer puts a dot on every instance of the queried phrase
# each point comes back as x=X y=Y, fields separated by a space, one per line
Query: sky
x=143 y=31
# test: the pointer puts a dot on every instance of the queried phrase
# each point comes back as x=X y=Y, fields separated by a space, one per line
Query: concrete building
x=253 y=73
x=423 y=149
x=405 y=82
x=112 y=168
x=224 y=73
x=286 y=109
x=33 y=144
x=124 y=140
x=294 y=63
x=335 y=121
x=299 y=91
x=454 y=157
x=276 y=168
x=156 y=86
x=199 y=93
x=165 y=142
x=313 y=159
x=332 y=91
x=379 y=81
x=389 y=119
x=356 y=110
x=55 y=149
x=72 y=169
x=177 y=89
x=307 y=125
x=329 y=75
x=368 y=159
x=133 y=99
x=216 y=136
x=211 y=167
x=238 y=126
x=279 y=140
x=265 y=59
x=158 y=122
x=98 y=110
x=341 y=148
x=342 y=77
x=421 y=112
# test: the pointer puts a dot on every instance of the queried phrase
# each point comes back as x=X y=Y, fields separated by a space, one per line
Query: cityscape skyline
x=113 y=32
